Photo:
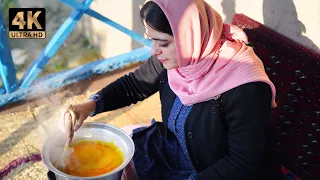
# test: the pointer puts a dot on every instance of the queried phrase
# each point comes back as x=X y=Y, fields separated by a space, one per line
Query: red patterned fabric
x=295 y=71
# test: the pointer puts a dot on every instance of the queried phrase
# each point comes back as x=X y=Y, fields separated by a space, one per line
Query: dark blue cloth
x=98 y=99
x=168 y=158
x=176 y=121
x=155 y=156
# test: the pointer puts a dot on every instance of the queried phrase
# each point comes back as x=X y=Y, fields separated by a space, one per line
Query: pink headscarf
x=213 y=57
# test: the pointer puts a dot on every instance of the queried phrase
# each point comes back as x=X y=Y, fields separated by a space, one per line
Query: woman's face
x=163 y=47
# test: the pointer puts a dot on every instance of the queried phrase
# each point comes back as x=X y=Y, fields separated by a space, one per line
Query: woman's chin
x=169 y=67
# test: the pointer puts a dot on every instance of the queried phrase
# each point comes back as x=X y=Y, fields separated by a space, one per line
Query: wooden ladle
x=69 y=124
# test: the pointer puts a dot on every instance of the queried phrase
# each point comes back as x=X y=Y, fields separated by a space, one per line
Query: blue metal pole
x=49 y=83
x=53 y=46
x=137 y=37
x=7 y=69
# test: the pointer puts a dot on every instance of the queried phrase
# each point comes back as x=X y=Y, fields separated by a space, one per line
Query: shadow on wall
x=86 y=26
x=137 y=26
x=279 y=15
x=229 y=9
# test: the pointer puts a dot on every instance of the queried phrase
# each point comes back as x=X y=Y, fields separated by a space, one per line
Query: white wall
x=110 y=41
x=296 y=19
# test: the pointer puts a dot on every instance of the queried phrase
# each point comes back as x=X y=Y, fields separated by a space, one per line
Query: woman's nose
x=155 y=50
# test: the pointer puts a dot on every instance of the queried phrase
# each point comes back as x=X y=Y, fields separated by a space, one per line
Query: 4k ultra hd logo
x=27 y=23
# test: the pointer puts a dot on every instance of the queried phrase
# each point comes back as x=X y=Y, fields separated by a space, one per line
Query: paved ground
x=25 y=126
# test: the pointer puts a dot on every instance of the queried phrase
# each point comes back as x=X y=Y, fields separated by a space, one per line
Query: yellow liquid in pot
x=92 y=158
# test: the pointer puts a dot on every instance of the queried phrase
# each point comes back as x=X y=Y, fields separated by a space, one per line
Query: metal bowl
x=52 y=149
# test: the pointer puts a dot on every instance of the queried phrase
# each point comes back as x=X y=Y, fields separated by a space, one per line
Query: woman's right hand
x=81 y=113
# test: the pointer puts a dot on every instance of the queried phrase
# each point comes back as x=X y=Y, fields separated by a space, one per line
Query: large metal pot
x=52 y=149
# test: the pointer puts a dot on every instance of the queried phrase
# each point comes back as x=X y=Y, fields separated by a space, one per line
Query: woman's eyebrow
x=156 y=39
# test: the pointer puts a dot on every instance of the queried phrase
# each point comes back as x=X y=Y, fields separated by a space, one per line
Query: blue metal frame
x=137 y=37
x=51 y=82
x=31 y=88
x=53 y=46
x=64 y=31
x=7 y=69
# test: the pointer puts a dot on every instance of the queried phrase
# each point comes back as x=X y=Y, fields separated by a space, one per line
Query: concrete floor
x=25 y=125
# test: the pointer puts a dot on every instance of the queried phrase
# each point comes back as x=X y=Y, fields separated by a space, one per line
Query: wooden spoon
x=69 y=125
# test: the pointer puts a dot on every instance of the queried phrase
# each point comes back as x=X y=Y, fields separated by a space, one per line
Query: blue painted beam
x=137 y=37
x=7 y=69
x=53 y=46
x=74 y=4
x=49 y=83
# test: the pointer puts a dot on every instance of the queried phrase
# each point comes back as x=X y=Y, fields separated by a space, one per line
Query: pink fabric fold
x=213 y=56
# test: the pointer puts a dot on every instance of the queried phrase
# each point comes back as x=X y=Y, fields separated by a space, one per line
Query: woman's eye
x=163 y=45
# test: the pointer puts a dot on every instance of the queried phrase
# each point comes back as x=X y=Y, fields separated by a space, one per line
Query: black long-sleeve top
x=227 y=138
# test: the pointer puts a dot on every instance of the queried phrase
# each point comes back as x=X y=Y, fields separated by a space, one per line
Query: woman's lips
x=162 y=60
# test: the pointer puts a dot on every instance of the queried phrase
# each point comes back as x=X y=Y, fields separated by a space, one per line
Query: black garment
x=226 y=138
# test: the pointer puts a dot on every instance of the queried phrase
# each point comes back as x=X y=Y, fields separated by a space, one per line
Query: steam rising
x=47 y=116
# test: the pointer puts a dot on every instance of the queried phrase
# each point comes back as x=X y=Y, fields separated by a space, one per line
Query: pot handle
x=51 y=175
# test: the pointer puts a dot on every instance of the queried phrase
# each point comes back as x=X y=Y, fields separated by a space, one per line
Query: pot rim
x=46 y=161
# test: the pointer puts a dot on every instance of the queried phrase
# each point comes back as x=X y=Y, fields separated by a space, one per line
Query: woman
x=215 y=95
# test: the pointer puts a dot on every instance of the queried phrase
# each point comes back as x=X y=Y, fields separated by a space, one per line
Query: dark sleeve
x=133 y=87
x=247 y=113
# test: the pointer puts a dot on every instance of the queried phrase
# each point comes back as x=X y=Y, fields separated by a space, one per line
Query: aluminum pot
x=52 y=149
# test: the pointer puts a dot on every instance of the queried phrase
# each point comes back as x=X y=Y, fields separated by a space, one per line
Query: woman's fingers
x=76 y=114
x=79 y=123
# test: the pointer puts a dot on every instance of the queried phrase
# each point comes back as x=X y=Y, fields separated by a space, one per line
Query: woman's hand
x=74 y=116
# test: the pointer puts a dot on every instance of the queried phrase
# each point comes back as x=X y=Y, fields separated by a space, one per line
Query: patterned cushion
x=295 y=71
